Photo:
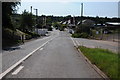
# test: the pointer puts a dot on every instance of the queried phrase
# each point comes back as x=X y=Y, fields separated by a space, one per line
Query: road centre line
x=20 y=61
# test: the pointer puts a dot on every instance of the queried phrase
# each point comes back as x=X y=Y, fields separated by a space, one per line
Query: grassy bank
x=105 y=60
x=12 y=38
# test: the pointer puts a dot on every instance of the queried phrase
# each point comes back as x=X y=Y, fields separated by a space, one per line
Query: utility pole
x=45 y=20
x=73 y=20
x=36 y=19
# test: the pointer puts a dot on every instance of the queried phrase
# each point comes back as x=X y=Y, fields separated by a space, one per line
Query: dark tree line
x=8 y=8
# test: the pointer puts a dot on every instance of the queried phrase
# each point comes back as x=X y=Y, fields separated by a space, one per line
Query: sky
x=64 y=8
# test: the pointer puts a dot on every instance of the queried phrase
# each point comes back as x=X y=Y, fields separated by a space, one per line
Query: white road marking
x=77 y=43
x=17 y=70
x=20 y=61
x=73 y=41
x=41 y=49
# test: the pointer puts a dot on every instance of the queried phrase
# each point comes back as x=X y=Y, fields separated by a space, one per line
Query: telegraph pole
x=45 y=20
x=36 y=19
x=73 y=20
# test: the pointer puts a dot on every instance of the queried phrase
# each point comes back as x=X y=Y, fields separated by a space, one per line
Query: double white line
x=76 y=43
x=20 y=61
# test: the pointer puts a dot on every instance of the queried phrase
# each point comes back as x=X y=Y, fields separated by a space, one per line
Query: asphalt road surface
x=112 y=46
x=12 y=55
x=57 y=59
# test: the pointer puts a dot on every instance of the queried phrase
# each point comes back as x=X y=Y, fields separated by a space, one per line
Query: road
x=112 y=46
x=57 y=59
x=14 y=54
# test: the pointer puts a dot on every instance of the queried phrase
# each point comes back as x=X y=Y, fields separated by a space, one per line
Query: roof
x=71 y=25
x=113 y=23
x=65 y=22
x=20 y=32
x=87 y=21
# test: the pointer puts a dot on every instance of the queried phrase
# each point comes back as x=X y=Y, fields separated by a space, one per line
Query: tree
x=27 y=21
x=97 y=20
x=8 y=8
x=57 y=25
x=8 y=29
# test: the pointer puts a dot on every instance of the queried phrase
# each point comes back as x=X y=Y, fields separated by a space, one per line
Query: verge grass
x=105 y=60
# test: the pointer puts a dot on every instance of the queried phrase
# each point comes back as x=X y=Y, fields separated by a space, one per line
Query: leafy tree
x=97 y=20
x=8 y=8
x=27 y=21
x=8 y=29
x=57 y=25
x=83 y=28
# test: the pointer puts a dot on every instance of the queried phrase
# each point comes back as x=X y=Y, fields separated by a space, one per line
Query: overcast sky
x=64 y=8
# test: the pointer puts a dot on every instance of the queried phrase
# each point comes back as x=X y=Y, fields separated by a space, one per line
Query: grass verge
x=105 y=60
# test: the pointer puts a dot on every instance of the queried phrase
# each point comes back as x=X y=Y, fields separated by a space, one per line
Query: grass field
x=105 y=60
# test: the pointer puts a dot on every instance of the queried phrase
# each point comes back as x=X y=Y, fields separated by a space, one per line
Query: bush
x=76 y=35
x=9 y=38
x=49 y=28
x=83 y=28
x=33 y=34
x=80 y=35
x=27 y=36
x=10 y=34
x=84 y=35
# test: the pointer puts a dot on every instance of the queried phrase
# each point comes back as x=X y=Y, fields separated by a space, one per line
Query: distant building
x=64 y=22
x=41 y=31
x=112 y=25
x=99 y=25
x=87 y=22
x=71 y=23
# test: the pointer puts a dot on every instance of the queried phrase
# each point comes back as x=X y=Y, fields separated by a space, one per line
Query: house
x=42 y=32
x=88 y=22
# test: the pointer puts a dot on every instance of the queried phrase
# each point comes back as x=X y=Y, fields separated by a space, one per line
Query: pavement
x=57 y=59
x=112 y=46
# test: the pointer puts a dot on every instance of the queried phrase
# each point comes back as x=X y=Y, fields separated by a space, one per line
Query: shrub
x=10 y=38
x=80 y=35
x=76 y=35
x=83 y=28
x=33 y=34
x=27 y=36
x=10 y=34
x=84 y=35
x=49 y=28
